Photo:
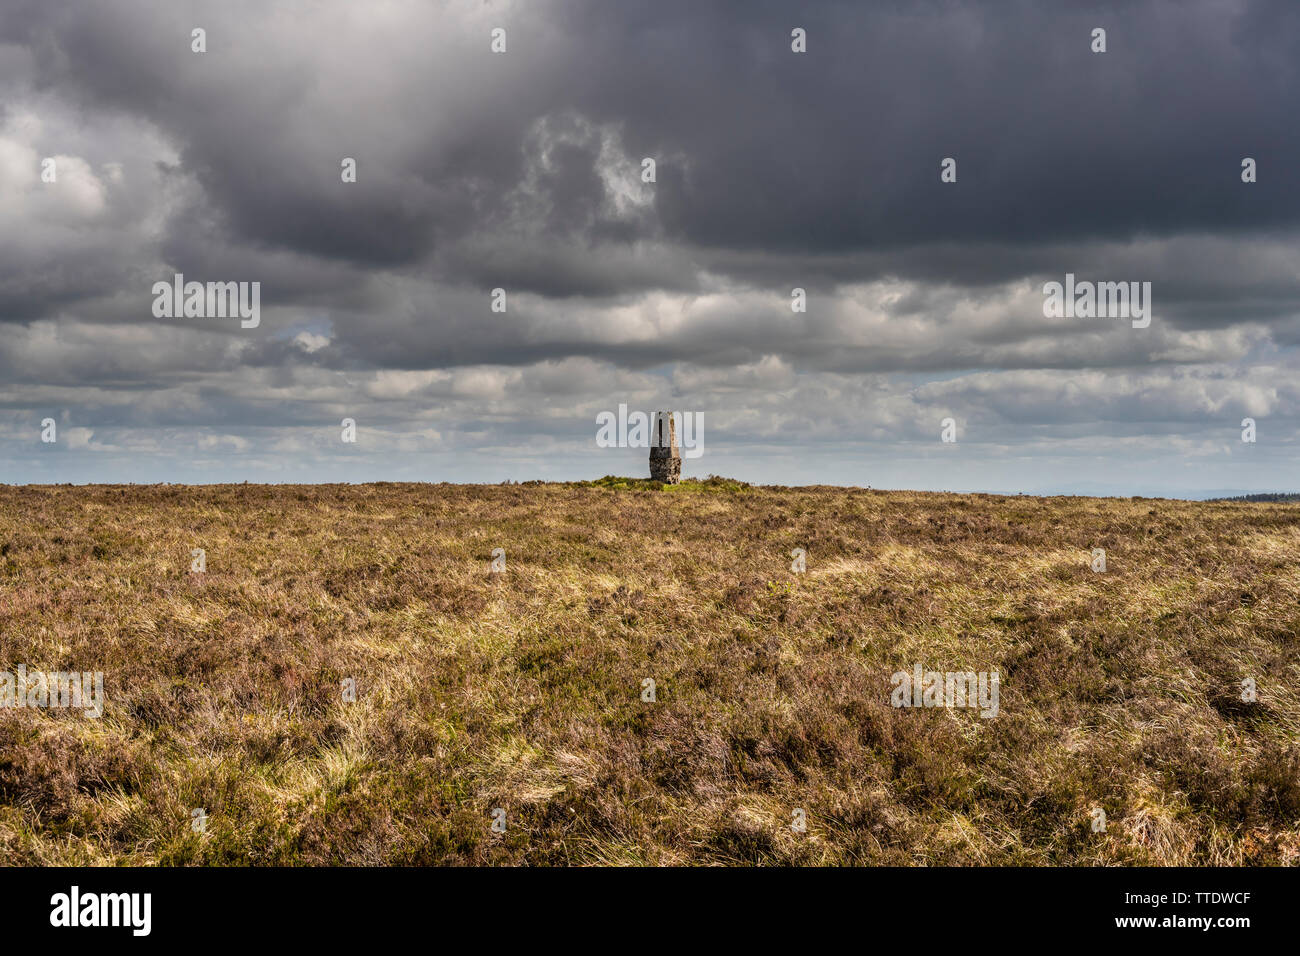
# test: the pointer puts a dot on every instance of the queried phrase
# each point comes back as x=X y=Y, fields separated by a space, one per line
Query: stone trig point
x=665 y=459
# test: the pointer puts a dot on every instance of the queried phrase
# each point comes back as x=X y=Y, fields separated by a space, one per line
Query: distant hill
x=1266 y=496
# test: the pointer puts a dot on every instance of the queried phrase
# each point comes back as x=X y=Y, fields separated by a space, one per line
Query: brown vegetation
x=522 y=690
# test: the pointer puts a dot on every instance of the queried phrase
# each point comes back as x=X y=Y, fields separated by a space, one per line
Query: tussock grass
x=522 y=690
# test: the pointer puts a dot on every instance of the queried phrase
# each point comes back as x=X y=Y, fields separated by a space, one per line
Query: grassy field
x=522 y=690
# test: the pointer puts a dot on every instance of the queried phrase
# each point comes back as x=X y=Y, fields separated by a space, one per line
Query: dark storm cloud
x=828 y=153
x=841 y=148
x=522 y=171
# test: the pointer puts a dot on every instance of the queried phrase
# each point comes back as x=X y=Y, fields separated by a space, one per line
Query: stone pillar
x=665 y=459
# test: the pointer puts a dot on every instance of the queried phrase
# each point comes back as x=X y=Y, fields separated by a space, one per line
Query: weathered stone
x=665 y=459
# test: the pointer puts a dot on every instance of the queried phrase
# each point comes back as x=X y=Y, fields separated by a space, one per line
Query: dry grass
x=522 y=690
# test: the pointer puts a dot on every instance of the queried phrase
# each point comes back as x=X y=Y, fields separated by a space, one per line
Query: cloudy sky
x=522 y=170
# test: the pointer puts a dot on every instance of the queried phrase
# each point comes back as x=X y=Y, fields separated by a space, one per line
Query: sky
x=524 y=170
